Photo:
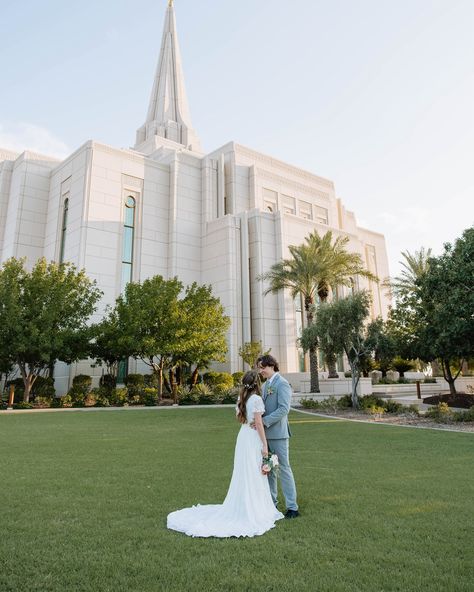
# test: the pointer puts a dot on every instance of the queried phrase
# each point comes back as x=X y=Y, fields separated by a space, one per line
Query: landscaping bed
x=403 y=419
x=459 y=400
x=375 y=409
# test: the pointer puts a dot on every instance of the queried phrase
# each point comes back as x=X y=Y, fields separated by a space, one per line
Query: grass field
x=84 y=499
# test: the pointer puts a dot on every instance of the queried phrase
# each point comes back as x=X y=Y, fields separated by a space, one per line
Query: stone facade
x=221 y=218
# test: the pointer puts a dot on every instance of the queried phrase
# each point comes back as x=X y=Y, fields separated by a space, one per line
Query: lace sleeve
x=258 y=405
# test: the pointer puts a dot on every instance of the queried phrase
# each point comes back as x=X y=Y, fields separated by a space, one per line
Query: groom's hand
x=252 y=425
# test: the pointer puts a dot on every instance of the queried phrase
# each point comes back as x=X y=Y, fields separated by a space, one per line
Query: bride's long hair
x=250 y=386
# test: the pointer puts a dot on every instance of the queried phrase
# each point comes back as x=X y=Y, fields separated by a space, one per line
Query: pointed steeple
x=168 y=112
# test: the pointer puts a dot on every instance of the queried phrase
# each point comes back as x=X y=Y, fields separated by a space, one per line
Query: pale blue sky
x=376 y=95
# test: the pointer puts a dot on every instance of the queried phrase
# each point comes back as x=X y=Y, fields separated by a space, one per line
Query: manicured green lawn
x=84 y=499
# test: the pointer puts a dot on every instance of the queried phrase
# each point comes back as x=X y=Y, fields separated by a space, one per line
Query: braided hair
x=250 y=386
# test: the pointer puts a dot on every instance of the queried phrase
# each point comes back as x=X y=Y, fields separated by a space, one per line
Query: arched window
x=128 y=236
x=63 y=230
x=129 y=207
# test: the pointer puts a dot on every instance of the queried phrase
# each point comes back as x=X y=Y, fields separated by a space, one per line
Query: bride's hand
x=265 y=451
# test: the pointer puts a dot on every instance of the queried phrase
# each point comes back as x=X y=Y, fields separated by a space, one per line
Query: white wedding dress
x=248 y=509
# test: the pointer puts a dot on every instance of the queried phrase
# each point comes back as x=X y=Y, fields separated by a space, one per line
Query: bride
x=248 y=509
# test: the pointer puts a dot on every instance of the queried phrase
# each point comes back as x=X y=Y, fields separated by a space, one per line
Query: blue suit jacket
x=277 y=399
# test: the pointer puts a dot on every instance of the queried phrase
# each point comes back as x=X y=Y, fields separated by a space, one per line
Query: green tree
x=111 y=343
x=251 y=351
x=43 y=316
x=405 y=321
x=384 y=344
x=446 y=308
x=149 y=324
x=339 y=326
x=313 y=269
x=433 y=318
x=205 y=329
x=156 y=322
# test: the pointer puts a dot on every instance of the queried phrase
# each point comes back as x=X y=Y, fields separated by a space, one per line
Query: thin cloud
x=22 y=136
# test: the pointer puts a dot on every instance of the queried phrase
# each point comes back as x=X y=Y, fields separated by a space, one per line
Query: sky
x=376 y=95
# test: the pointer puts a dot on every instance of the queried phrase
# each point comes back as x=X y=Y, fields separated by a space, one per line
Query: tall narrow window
x=128 y=235
x=127 y=264
x=63 y=230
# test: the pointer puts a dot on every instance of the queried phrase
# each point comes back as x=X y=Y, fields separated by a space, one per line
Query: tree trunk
x=355 y=382
x=173 y=384
x=313 y=354
x=314 y=372
x=449 y=377
x=323 y=293
x=28 y=381
x=331 y=363
x=194 y=377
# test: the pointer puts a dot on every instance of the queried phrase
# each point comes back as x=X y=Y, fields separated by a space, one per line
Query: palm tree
x=341 y=269
x=414 y=267
x=314 y=268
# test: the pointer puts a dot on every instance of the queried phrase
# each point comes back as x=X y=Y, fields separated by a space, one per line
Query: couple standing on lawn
x=250 y=507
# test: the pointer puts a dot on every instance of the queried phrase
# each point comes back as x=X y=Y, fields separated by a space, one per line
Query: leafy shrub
x=376 y=410
x=387 y=381
x=467 y=415
x=370 y=401
x=348 y=374
x=441 y=413
x=22 y=405
x=186 y=396
x=344 y=402
x=90 y=400
x=401 y=365
x=135 y=384
x=118 y=397
x=108 y=381
x=150 y=397
x=42 y=401
x=429 y=380
x=330 y=404
x=81 y=386
x=411 y=410
x=231 y=396
x=43 y=387
x=218 y=381
x=392 y=406
x=151 y=380
x=65 y=401
x=101 y=396
x=82 y=381
x=310 y=404
x=237 y=378
x=206 y=396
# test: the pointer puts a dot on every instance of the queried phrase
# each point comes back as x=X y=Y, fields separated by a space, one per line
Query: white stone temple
x=164 y=207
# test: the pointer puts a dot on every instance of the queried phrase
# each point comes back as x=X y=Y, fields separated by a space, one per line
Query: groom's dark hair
x=268 y=361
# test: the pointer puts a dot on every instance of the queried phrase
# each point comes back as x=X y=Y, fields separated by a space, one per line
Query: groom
x=277 y=397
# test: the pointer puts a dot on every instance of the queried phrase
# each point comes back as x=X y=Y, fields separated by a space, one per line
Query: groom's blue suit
x=277 y=399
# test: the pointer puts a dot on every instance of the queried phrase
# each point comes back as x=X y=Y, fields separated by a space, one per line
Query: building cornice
x=308 y=189
x=292 y=170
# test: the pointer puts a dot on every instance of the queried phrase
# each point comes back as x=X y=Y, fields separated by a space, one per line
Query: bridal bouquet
x=269 y=464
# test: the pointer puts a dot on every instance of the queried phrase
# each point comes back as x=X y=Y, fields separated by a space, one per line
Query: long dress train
x=248 y=509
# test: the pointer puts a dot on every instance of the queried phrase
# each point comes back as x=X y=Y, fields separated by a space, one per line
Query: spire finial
x=170 y=3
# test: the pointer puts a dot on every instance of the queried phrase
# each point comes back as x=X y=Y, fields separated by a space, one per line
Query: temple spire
x=168 y=112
